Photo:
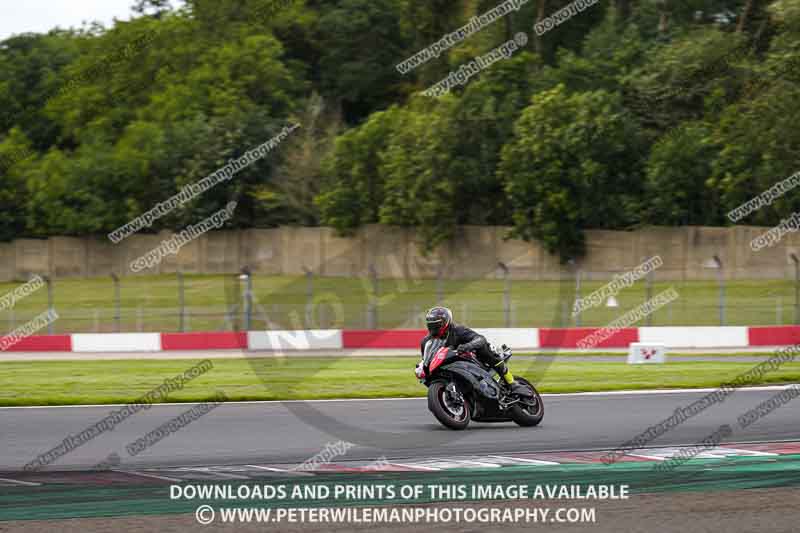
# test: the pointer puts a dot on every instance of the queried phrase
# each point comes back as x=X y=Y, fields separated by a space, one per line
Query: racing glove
x=472 y=345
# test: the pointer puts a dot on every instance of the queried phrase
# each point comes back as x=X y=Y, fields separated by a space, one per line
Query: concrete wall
x=394 y=253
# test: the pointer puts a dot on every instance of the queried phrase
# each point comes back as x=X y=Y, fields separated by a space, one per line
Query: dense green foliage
x=629 y=113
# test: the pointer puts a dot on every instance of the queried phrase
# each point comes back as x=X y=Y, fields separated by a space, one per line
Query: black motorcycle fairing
x=487 y=408
x=429 y=350
x=480 y=379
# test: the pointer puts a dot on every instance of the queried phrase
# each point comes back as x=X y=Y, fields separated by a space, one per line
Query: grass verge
x=104 y=382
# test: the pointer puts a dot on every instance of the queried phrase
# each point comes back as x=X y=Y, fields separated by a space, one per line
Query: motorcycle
x=461 y=388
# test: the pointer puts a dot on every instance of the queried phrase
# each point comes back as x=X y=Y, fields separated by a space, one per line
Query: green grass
x=100 y=382
x=150 y=303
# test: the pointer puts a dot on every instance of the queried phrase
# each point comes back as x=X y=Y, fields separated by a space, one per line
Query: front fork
x=454 y=393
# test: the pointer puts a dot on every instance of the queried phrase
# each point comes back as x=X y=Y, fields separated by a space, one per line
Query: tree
x=575 y=163
x=484 y=116
x=676 y=188
x=419 y=190
x=353 y=190
x=298 y=179
x=15 y=155
x=361 y=40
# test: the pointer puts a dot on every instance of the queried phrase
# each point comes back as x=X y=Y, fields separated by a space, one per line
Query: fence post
x=372 y=304
x=309 y=314
x=50 y=306
x=506 y=293
x=247 y=278
x=649 y=294
x=721 y=279
x=117 y=317
x=796 y=262
x=181 y=303
x=578 y=276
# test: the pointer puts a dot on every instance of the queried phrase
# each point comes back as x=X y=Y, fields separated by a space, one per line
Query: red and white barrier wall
x=335 y=339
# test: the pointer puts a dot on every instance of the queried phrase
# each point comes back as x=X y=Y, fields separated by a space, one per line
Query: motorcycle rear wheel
x=526 y=416
x=444 y=408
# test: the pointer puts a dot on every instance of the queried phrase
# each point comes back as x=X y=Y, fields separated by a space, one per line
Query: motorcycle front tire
x=445 y=416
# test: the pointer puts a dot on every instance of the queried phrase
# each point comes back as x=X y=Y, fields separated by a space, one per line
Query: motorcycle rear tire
x=522 y=416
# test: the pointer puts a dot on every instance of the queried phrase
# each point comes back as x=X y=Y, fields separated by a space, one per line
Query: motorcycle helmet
x=438 y=321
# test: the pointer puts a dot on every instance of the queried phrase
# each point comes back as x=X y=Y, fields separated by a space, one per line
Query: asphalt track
x=291 y=432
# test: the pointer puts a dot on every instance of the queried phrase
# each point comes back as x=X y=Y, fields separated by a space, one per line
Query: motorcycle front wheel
x=449 y=405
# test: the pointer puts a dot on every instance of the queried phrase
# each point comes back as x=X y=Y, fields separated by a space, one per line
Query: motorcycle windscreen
x=431 y=347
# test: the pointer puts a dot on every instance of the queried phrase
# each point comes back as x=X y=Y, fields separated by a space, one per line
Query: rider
x=440 y=325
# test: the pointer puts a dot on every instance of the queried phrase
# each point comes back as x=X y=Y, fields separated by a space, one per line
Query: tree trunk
x=663 y=23
x=747 y=11
x=542 y=4
x=623 y=10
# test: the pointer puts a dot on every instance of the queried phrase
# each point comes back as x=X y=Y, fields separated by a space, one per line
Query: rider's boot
x=515 y=386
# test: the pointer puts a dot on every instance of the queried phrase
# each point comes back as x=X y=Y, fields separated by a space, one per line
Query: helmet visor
x=437 y=327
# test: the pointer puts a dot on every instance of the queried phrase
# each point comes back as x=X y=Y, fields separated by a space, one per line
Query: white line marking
x=415 y=466
x=472 y=462
x=143 y=474
x=651 y=457
x=18 y=482
x=534 y=461
x=553 y=396
x=213 y=470
x=269 y=468
x=738 y=451
x=283 y=471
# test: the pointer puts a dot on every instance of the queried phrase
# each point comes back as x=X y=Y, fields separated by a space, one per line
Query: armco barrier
x=334 y=339
x=116 y=342
x=773 y=335
x=220 y=340
x=569 y=337
x=312 y=339
x=393 y=338
x=43 y=343
x=696 y=337
x=514 y=337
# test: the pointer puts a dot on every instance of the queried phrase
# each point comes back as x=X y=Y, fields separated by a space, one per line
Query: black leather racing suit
x=470 y=341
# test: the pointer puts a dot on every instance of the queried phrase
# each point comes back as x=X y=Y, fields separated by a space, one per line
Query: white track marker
x=17 y=482
x=418 y=467
x=269 y=468
x=650 y=457
x=143 y=474
x=283 y=470
x=214 y=471
x=518 y=459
